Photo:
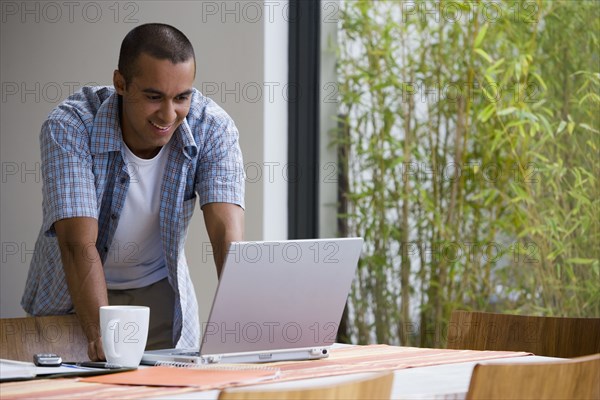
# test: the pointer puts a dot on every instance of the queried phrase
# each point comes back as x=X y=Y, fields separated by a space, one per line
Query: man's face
x=155 y=102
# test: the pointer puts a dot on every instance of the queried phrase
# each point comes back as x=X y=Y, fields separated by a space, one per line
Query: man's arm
x=224 y=224
x=85 y=276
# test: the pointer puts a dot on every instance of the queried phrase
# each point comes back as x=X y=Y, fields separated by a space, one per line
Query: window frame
x=304 y=114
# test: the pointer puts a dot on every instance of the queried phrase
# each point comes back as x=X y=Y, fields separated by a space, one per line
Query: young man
x=121 y=171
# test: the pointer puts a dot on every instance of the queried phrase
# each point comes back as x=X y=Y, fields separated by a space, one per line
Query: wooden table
x=419 y=373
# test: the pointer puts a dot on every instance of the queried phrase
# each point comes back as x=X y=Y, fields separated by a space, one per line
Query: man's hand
x=95 y=350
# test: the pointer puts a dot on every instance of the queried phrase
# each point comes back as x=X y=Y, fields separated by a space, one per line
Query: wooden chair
x=378 y=387
x=21 y=338
x=577 y=378
x=543 y=336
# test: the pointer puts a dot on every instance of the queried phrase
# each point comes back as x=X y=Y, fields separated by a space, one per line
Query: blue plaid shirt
x=84 y=175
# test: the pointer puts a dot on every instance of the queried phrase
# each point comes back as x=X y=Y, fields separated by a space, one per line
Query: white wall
x=50 y=49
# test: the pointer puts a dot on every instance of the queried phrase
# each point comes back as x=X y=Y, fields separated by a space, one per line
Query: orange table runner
x=71 y=388
x=381 y=357
x=346 y=360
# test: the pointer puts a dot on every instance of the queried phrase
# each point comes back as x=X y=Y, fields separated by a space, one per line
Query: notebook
x=11 y=370
x=16 y=370
x=275 y=301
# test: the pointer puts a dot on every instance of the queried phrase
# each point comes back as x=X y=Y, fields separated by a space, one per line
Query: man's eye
x=153 y=98
x=182 y=98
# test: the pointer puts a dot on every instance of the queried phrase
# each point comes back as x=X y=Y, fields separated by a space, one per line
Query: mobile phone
x=47 y=360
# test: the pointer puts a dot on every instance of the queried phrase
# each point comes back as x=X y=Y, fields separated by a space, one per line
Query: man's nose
x=167 y=111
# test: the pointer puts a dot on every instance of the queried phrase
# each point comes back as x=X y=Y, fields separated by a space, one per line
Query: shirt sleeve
x=68 y=179
x=221 y=171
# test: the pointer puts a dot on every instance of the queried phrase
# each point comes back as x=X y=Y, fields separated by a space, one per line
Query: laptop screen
x=280 y=295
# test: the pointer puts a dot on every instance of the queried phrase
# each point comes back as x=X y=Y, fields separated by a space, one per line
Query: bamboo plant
x=468 y=138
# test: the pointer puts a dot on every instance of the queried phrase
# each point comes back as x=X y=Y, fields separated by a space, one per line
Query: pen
x=94 y=364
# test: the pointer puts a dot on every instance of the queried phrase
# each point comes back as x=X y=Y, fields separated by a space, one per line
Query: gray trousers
x=161 y=300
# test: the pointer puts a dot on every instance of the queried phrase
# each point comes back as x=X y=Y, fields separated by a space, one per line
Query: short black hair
x=160 y=41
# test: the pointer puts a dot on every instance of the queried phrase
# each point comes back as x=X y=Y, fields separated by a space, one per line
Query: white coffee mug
x=124 y=332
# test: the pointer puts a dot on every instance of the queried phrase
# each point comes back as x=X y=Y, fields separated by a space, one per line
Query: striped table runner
x=71 y=388
x=346 y=360
x=373 y=358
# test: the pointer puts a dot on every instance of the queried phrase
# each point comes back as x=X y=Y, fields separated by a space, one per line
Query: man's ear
x=119 y=82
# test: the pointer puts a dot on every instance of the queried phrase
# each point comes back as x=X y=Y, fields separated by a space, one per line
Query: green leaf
x=540 y=80
x=492 y=68
x=589 y=128
x=480 y=35
x=487 y=112
x=506 y=111
x=584 y=261
x=561 y=127
x=484 y=55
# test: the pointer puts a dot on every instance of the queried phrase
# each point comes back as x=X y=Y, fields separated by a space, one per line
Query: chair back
x=378 y=387
x=544 y=336
x=576 y=378
x=21 y=338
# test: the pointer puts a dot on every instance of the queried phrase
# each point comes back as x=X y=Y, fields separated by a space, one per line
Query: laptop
x=275 y=301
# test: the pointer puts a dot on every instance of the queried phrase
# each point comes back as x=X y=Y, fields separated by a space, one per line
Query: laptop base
x=192 y=356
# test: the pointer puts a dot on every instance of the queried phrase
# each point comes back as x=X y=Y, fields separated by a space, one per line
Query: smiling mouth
x=160 y=127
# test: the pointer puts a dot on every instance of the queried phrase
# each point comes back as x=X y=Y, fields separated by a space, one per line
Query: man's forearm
x=225 y=224
x=84 y=275
x=87 y=285
x=221 y=244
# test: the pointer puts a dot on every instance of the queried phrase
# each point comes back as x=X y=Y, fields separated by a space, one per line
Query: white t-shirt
x=136 y=257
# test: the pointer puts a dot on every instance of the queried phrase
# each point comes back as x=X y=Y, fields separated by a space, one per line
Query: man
x=121 y=170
